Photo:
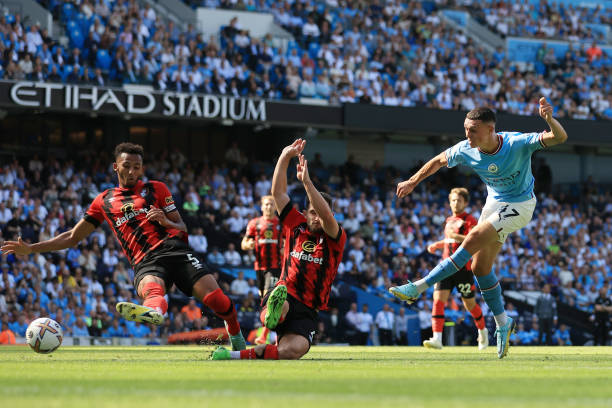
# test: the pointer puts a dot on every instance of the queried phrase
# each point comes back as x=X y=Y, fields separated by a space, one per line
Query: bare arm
x=168 y=220
x=557 y=134
x=279 y=180
x=64 y=240
x=326 y=216
x=406 y=187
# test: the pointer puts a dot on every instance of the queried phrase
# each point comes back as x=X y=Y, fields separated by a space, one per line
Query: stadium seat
x=103 y=60
x=67 y=11
x=76 y=38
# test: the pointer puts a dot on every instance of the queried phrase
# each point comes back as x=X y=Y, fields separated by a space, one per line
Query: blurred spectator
x=365 y=325
x=603 y=308
x=400 y=329
x=546 y=311
x=384 y=321
x=191 y=311
x=240 y=286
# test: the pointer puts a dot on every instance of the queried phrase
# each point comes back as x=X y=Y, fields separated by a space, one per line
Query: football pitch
x=182 y=376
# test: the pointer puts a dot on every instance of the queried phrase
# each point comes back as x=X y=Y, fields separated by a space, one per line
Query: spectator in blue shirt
x=80 y=329
x=19 y=326
x=140 y=331
x=215 y=257
x=562 y=336
x=116 y=330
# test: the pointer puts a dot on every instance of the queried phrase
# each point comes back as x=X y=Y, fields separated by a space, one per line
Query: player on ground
x=503 y=161
x=314 y=243
x=153 y=236
x=457 y=227
x=263 y=235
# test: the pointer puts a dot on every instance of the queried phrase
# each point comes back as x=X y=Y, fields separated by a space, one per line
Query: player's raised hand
x=545 y=109
x=157 y=215
x=405 y=187
x=302 y=169
x=294 y=149
x=16 y=247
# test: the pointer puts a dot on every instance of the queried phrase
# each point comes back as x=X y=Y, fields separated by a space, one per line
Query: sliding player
x=314 y=243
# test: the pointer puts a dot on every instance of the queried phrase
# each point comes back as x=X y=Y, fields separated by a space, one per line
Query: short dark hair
x=129 y=148
x=482 y=113
x=327 y=199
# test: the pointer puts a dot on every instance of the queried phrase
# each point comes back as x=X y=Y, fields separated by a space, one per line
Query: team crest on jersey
x=308 y=246
x=492 y=168
x=143 y=193
x=127 y=208
x=268 y=234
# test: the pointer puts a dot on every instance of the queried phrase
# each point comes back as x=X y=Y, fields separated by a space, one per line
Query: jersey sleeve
x=339 y=241
x=251 y=230
x=454 y=154
x=290 y=217
x=531 y=141
x=95 y=214
x=163 y=198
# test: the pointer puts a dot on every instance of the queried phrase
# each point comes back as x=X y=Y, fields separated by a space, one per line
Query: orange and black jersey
x=266 y=232
x=310 y=260
x=125 y=210
x=458 y=224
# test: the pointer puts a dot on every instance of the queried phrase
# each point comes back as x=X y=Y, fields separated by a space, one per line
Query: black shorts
x=463 y=280
x=300 y=320
x=261 y=278
x=175 y=262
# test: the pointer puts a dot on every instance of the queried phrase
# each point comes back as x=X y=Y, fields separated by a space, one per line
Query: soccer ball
x=44 y=335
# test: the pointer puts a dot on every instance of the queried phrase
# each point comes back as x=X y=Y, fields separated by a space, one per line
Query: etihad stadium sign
x=129 y=100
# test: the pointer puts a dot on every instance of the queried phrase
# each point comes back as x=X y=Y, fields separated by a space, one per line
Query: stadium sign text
x=134 y=100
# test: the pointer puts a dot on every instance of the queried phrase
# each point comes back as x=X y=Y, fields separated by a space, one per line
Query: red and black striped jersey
x=310 y=260
x=458 y=224
x=125 y=210
x=266 y=232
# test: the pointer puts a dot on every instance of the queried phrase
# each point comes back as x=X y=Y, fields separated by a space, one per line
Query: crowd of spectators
x=547 y=20
x=568 y=245
x=391 y=53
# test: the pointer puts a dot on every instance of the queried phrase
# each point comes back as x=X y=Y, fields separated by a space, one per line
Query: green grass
x=180 y=377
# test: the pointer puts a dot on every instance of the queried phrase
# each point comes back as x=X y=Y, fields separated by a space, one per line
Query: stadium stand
x=394 y=54
x=567 y=245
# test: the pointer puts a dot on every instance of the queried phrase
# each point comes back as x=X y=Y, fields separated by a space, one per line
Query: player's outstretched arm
x=64 y=240
x=405 y=187
x=279 y=180
x=557 y=134
x=326 y=216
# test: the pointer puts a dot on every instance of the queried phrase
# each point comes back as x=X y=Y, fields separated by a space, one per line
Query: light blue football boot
x=503 y=337
x=407 y=292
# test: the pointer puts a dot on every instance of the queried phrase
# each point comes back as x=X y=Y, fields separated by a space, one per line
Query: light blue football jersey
x=507 y=171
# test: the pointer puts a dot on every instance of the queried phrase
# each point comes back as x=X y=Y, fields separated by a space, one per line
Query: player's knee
x=291 y=353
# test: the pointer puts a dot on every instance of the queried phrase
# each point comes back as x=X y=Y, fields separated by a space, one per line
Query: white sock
x=501 y=319
x=482 y=330
x=421 y=285
x=235 y=355
x=437 y=336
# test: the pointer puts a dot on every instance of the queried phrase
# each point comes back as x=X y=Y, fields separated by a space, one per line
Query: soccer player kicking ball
x=263 y=235
x=314 y=243
x=503 y=162
x=457 y=227
x=153 y=236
